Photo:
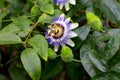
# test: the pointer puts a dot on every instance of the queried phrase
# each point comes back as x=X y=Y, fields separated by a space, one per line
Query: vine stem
x=29 y=34
x=75 y=60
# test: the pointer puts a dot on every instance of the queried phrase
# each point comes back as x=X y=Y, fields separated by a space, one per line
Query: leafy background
x=96 y=55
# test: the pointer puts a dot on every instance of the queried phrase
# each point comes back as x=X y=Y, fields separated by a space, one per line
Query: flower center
x=56 y=30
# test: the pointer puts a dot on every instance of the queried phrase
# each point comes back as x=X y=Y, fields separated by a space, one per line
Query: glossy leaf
x=83 y=32
x=86 y=62
x=111 y=9
x=40 y=45
x=9 y=38
x=111 y=47
x=31 y=63
x=97 y=61
x=106 y=35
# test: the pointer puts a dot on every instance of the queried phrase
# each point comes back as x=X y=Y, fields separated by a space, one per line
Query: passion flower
x=61 y=3
x=59 y=32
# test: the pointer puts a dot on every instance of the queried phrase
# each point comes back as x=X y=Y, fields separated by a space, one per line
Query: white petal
x=74 y=25
x=73 y=34
x=72 y=2
x=55 y=48
x=67 y=6
x=61 y=6
x=67 y=20
x=71 y=43
x=61 y=18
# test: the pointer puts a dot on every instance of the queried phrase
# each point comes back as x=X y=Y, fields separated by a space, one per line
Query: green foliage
x=37 y=43
x=66 y=54
x=32 y=63
x=25 y=54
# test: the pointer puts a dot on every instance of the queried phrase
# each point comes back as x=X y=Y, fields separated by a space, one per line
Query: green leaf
x=23 y=23
x=45 y=18
x=111 y=9
x=52 y=68
x=34 y=9
x=9 y=38
x=94 y=21
x=17 y=73
x=40 y=45
x=106 y=35
x=98 y=61
x=66 y=54
x=111 y=47
x=109 y=76
x=73 y=70
x=31 y=63
x=99 y=77
x=3 y=77
x=12 y=28
x=114 y=63
x=83 y=32
x=48 y=8
x=51 y=54
x=85 y=59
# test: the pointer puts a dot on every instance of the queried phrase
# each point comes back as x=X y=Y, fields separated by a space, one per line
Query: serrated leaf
x=47 y=8
x=9 y=38
x=31 y=63
x=40 y=45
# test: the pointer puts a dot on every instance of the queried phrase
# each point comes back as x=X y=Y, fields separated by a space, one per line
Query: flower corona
x=59 y=32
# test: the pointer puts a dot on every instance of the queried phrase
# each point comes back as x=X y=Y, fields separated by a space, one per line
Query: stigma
x=56 y=30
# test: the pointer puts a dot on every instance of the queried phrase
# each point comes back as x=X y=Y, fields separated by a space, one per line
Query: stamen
x=56 y=30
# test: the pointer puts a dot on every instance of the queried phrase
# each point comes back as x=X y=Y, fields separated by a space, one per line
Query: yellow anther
x=49 y=26
x=52 y=34
x=49 y=31
x=56 y=28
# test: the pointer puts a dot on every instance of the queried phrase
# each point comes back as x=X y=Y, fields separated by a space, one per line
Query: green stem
x=75 y=60
x=29 y=34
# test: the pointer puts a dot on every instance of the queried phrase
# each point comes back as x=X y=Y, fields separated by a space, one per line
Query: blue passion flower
x=59 y=32
x=61 y=3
